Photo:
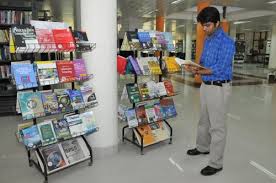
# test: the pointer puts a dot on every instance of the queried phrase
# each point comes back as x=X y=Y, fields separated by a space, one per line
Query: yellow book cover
x=148 y=137
x=154 y=67
x=11 y=43
x=172 y=65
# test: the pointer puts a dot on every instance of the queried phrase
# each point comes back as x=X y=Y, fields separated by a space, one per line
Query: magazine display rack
x=133 y=42
x=54 y=153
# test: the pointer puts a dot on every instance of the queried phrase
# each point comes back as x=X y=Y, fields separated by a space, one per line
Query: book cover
x=133 y=40
x=31 y=137
x=161 y=89
x=61 y=128
x=135 y=65
x=169 y=87
x=143 y=64
x=161 y=39
x=64 y=102
x=76 y=99
x=75 y=125
x=47 y=72
x=47 y=132
x=153 y=89
x=72 y=150
x=24 y=76
x=141 y=115
x=133 y=92
x=54 y=157
x=146 y=132
x=131 y=118
x=89 y=122
x=169 y=41
x=64 y=40
x=80 y=69
x=81 y=40
x=25 y=38
x=144 y=39
x=66 y=71
x=150 y=113
x=172 y=65
x=20 y=127
x=167 y=108
x=144 y=91
x=88 y=96
x=50 y=102
x=157 y=111
x=161 y=132
x=31 y=105
x=154 y=66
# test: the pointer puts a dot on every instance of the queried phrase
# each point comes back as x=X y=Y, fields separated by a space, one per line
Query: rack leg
x=90 y=150
x=142 y=146
x=29 y=158
x=171 y=131
x=123 y=133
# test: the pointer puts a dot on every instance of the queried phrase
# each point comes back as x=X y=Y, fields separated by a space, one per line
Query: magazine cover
x=47 y=72
x=31 y=137
x=72 y=150
x=50 y=102
x=46 y=132
x=54 y=156
x=61 y=128
x=89 y=122
x=76 y=99
x=88 y=96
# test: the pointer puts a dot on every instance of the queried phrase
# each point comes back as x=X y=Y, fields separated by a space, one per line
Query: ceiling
x=259 y=12
x=142 y=13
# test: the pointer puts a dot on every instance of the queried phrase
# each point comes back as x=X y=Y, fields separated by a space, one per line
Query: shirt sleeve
x=224 y=58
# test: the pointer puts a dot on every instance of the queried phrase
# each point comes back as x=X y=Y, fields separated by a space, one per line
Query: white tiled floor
x=251 y=138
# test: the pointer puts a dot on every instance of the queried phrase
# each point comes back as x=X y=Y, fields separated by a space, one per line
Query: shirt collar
x=217 y=33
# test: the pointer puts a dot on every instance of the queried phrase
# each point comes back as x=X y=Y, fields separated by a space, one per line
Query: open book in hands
x=188 y=63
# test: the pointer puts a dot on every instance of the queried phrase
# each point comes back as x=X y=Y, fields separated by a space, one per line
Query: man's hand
x=197 y=70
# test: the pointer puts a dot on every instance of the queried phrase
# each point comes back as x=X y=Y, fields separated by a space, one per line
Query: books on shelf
x=135 y=65
x=144 y=91
x=168 y=108
x=75 y=125
x=169 y=87
x=89 y=124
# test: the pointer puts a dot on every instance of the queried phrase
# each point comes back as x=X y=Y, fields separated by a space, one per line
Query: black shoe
x=209 y=171
x=194 y=152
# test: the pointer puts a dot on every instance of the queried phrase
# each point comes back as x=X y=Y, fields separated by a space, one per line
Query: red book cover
x=64 y=39
x=169 y=87
x=66 y=72
x=141 y=115
x=46 y=40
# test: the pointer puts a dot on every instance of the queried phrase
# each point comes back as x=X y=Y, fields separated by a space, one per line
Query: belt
x=217 y=83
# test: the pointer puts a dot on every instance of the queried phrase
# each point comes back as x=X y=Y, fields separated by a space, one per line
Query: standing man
x=215 y=90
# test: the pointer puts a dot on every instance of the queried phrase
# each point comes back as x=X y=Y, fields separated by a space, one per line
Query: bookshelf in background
x=9 y=16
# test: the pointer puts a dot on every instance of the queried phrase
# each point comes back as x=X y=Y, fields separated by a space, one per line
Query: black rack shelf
x=14 y=8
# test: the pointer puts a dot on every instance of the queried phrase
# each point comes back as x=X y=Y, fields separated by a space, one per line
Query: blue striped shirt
x=217 y=55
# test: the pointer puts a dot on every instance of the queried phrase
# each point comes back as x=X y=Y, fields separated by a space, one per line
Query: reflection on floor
x=249 y=154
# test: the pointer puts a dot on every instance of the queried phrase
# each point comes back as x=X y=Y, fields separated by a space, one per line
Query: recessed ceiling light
x=177 y=1
x=241 y=22
x=179 y=26
x=271 y=2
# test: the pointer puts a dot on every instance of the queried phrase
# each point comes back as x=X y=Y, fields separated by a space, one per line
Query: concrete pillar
x=99 y=20
x=189 y=33
x=272 y=57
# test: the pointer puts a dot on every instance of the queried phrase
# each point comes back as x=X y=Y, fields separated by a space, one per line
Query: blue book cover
x=145 y=39
x=169 y=41
x=167 y=108
x=76 y=99
x=50 y=103
x=135 y=65
x=31 y=137
x=24 y=76
x=31 y=105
